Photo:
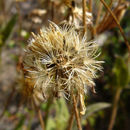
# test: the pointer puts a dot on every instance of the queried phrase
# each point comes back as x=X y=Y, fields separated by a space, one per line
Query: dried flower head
x=78 y=13
x=77 y=17
x=57 y=61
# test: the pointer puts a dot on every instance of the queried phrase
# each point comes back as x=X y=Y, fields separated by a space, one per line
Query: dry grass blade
x=117 y=22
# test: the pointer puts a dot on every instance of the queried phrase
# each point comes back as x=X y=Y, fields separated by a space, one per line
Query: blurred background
x=108 y=108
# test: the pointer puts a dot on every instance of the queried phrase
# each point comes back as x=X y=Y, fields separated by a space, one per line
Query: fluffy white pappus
x=57 y=59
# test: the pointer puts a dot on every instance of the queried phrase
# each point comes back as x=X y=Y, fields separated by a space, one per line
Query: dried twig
x=117 y=22
x=114 y=110
x=84 y=15
x=76 y=113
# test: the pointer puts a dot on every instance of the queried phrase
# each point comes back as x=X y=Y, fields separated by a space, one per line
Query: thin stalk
x=114 y=110
x=97 y=18
x=76 y=113
x=52 y=10
x=105 y=16
x=39 y=115
x=117 y=22
x=119 y=1
x=84 y=15
x=99 y=13
x=2 y=7
x=90 y=5
x=71 y=120
x=48 y=109
x=41 y=119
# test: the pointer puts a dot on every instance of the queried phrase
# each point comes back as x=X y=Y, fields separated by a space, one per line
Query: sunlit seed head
x=57 y=60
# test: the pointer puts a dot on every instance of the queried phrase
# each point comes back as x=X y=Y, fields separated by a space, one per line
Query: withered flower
x=58 y=61
x=77 y=17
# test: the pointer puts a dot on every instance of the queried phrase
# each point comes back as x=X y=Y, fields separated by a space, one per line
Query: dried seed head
x=77 y=18
x=58 y=61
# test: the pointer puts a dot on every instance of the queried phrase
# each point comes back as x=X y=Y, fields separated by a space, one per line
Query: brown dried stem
x=76 y=113
x=2 y=7
x=71 y=120
x=99 y=13
x=39 y=115
x=41 y=119
x=106 y=15
x=114 y=110
x=117 y=22
x=110 y=5
x=97 y=18
x=119 y=1
x=84 y=15
x=52 y=10
x=90 y=5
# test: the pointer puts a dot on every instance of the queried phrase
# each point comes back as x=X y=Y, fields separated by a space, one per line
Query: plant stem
x=76 y=113
x=84 y=15
x=90 y=5
x=41 y=119
x=119 y=1
x=52 y=10
x=99 y=13
x=102 y=24
x=106 y=14
x=39 y=115
x=117 y=22
x=114 y=110
x=48 y=109
x=97 y=18
x=71 y=120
